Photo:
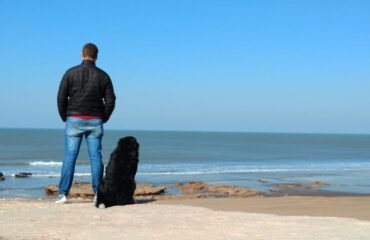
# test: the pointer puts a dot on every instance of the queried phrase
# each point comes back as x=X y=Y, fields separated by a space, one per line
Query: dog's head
x=128 y=145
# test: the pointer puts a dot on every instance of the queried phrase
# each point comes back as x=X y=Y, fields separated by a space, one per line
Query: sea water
x=256 y=160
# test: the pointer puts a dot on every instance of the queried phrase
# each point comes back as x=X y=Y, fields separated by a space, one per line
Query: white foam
x=40 y=163
x=58 y=175
x=231 y=171
x=214 y=172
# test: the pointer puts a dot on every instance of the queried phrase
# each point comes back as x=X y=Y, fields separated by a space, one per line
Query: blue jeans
x=75 y=130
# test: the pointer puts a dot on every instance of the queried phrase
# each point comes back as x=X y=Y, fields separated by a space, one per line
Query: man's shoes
x=62 y=199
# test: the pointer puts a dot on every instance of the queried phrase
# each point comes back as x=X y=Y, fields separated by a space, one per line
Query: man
x=86 y=100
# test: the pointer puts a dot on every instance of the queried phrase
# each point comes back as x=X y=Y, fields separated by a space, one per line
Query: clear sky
x=210 y=65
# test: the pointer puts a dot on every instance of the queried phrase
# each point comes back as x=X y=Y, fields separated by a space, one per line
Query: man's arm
x=109 y=100
x=62 y=98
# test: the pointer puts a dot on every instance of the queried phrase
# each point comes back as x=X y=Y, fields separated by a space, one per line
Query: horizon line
x=198 y=131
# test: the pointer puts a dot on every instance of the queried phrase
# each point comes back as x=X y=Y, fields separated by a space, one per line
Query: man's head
x=90 y=52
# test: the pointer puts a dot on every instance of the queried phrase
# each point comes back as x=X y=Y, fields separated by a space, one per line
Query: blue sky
x=209 y=65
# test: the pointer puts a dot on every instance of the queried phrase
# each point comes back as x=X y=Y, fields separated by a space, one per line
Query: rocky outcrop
x=202 y=189
x=23 y=175
x=199 y=189
x=148 y=190
x=192 y=189
x=83 y=189
x=301 y=189
x=312 y=185
x=2 y=177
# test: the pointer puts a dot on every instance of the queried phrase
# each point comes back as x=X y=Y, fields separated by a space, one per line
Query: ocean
x=256 y=160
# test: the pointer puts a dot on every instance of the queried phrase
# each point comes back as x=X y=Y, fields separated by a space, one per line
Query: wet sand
x=357 y=207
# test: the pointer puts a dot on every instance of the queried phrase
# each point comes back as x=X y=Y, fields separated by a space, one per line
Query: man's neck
x=88 y=59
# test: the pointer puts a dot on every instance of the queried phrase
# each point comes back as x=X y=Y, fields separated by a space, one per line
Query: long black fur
x=118 y=185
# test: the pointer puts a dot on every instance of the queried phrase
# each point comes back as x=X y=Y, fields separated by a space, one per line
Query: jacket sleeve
x=62 y=98
x=109 y=99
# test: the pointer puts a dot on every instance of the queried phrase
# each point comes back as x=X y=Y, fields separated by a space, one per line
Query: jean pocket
x=72 y=130
x=97 y=132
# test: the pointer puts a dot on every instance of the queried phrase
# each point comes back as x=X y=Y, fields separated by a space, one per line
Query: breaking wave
x=40 y=163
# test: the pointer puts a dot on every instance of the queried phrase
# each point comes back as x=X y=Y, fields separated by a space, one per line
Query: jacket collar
x=88 y=63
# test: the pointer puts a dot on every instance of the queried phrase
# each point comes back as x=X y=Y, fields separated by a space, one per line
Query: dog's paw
x=101 y=206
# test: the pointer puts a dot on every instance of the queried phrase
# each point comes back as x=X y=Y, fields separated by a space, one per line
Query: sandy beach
x=227 y=218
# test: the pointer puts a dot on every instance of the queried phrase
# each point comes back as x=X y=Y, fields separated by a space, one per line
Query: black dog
x=118 y=185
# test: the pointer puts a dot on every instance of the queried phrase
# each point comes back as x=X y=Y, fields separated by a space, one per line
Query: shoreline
x=199 y=189
x=354 y=207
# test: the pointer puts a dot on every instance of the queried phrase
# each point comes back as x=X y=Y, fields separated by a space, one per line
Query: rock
x=192 y=187
x=289 y=185
x=148 y=189
x=312 y=185
x=2 y=177
x=234 y=191
x=202 y=189
x=78 y=189
x=262 y=181
x=83 y=189
x=178 y=185
x=23 y=175
x=317 y=184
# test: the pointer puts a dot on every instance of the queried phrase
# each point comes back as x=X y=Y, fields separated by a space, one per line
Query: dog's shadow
x=145 y=201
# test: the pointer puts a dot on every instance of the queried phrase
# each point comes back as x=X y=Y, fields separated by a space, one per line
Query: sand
x=344 y=206
x=176 y=219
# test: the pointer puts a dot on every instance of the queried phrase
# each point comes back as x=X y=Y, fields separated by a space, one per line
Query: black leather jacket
x=86 y=90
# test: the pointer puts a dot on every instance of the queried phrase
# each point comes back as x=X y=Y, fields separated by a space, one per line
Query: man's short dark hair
x=90 y=50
